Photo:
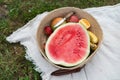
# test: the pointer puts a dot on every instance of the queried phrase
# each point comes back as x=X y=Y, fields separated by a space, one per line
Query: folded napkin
x=105 y=65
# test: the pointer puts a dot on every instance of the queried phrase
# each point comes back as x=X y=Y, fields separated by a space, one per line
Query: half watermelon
x=68 y=45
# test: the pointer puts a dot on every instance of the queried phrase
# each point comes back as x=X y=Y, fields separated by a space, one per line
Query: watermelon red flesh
x=68 y=45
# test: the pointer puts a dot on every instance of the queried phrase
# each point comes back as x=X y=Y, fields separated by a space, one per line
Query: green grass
x=16 y=13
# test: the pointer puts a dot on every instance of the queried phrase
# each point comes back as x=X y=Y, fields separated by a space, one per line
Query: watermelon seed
x=62 y=38
x=77 y=39
x=60 y=41
x=75 y=51
x=80 y=44
x=78 y=35
x=68 y=31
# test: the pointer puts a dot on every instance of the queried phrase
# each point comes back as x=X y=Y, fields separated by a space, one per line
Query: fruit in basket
x=93 y=37
x=55 y=21
x=48 y=30
x=73 y=18
x=93 y=46
x=85 y=23
x=68 y=45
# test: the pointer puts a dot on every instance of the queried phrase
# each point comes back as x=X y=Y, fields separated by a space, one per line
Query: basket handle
x=64 y=71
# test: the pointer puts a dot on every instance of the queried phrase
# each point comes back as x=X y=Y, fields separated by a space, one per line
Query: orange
x=85 y=23
x=55 y=21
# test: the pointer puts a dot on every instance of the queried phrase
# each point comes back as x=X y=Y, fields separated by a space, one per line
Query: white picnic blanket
x=105 y=65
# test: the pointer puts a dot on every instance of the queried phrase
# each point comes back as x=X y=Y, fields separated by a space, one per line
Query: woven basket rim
x=86 y=60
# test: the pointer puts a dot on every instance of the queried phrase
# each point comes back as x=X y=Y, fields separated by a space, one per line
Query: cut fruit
x=55 y=21
x=85 y=23
x=68 y=45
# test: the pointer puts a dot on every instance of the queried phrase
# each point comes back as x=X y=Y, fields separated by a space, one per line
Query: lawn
x=16 y=13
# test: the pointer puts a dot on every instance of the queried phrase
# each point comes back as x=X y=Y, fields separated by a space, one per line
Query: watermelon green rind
x=63 y=63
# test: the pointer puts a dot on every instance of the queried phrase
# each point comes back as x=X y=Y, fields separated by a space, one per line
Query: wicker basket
x=61 y=12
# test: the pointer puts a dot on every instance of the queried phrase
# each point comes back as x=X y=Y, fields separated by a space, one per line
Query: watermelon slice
x=68 y=45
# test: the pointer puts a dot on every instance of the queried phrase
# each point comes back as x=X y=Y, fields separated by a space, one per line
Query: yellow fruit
x=85 y=23
x=93 y=37
x=93 y=46
x=55 y=21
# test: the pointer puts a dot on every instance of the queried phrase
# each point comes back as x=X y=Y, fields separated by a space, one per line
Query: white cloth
x=105 y=65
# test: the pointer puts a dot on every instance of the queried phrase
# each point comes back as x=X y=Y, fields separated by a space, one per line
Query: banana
x=93 y=46
x=93 y=37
